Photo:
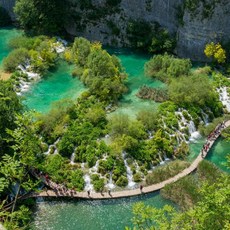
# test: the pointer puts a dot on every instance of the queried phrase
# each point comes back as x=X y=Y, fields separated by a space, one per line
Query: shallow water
x=133 y=63
x=5 y=35
x=54 y=86
x=60 y=84
x=91 y=215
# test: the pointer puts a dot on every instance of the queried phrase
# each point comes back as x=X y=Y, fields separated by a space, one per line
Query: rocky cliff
x=196 y=22
x=8 y=5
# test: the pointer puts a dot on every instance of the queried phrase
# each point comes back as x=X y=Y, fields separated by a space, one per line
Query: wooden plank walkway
x=135 y=192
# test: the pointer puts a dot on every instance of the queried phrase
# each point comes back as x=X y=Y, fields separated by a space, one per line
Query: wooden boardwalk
x=135 y=192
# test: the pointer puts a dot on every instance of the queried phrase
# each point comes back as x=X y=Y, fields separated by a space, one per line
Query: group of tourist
x=212 y=137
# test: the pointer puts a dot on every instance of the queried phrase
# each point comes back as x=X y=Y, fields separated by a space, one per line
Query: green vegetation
x=42 y=17
x=76 y=129
x=99 y=71
x=15 y=58
x=206 y=205
x=164 y=67
x=10 y=106
x=216 y=52
x=203 y=8
x=185 y=192
x=155 y=94
x=38 y=51
x=165 y=172
x=154 y=39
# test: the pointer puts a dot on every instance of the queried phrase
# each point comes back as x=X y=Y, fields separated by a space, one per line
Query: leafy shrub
x=165 y=172
x=16 y=57
x=122 y=181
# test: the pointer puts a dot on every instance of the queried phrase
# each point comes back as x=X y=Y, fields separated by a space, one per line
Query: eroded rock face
x=198 y=27
x=195 y=31
x=199 y=30
x=8 y=5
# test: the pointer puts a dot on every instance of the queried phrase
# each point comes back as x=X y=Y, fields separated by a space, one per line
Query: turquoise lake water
x=5 y=35
x=97 y=215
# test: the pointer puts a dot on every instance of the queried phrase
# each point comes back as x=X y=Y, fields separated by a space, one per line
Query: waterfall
x=82 y=166
x=161 y=160
x=53 y=146
x=166 y=158
x=94 y=169
x=131 y=183
x=110 y=184
x=184 y=123
x=73 y=156
x=205 y=117
x=191 y=127
x=88 y=185
x=224 y=97
x=150 y=135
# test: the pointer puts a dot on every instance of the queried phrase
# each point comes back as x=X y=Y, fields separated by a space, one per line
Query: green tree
x=10 y=106
x=41 y=16
x=211 y=212
x=194 y=90
x=16 y=57
x=164 y=67
x=215 y=51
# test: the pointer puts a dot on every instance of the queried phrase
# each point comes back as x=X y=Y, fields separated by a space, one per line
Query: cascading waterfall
x=53 y=146
x=110 y=184
x=73 y=157
x=224 y=97
x=88 y=185
x=94 y=169
x=161 y=160
x=183 y=123
x=205 y=118
x=150 y=135
x=131 y=183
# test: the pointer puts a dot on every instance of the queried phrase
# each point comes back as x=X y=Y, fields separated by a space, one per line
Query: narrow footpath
x=155 y=187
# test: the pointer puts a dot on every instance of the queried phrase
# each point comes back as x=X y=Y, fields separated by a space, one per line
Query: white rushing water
x=53 y=148
x=224 y=97
x=110 y=184
x=88 y=184
x=72 y=158
x=184 y=123
x=94 y=169
x=131 y=183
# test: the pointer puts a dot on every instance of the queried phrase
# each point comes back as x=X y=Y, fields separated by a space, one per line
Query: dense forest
x=72 y=133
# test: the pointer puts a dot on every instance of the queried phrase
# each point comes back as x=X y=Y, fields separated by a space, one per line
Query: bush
x=165 y=172
x=76 y=180
x=137 y=177
x=122 y=181
x=16 y=57
x=164 y=67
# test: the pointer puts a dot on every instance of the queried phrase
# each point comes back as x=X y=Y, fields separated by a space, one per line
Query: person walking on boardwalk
x=109 y=192
x=88 y=192
x=141 y=188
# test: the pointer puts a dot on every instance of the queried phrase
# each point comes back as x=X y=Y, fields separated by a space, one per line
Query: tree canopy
x=41 y=16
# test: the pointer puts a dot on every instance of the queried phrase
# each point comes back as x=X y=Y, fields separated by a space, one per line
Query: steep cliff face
x=164 y=12
x=8 y=5
x=207 y=21
x=200 y=29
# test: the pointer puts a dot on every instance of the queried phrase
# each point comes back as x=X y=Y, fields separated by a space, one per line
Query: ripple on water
x=90 y=215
